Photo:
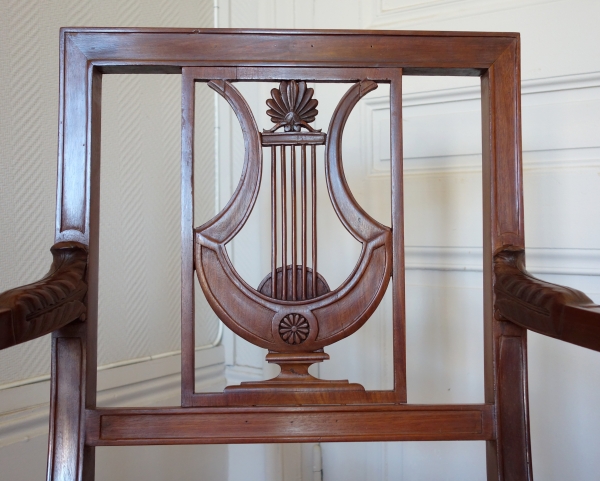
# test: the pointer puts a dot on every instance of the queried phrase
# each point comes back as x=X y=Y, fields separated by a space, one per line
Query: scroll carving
x=556 y=311
x=37 y=309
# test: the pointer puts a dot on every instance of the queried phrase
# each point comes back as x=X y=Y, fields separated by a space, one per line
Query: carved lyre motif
x=293 y=313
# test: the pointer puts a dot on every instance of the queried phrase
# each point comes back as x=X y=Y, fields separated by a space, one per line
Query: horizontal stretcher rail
x=452 y=53
x=133 y=426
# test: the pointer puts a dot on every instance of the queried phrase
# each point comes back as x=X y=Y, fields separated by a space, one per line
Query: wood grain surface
x=293 y=424
x=556 y=311
x=44 y=306
x=295 y=407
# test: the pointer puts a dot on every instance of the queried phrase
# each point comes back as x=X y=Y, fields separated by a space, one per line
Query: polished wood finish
x=188 y=336
x=301 y=138
x=273 y=224
x=556 y=311
x=295 y=386
x=239 y=51
x=121 y=426
x=37 y=309
x=313 y=230
x=294 y=407
x=279 y=319
x=304 y=203
x=505 y=345
x=304 y=276
x=398 y=296
x=67 y=412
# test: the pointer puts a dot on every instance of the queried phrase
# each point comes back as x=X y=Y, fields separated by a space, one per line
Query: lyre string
x=283 y=227
x=281 y=292
x=304 y=239
x=313 y=173
x=294 y=220
x=273 y=222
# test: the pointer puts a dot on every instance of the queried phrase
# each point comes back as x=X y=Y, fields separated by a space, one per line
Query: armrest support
x=36 y=309
x=556 y=311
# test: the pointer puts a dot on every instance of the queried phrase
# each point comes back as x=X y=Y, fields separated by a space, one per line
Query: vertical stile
x=313 y=185
x=398 y=280
x=283 y=228
x=294 y=220
x=303 y=187
x=187 y=238
x=274 y=222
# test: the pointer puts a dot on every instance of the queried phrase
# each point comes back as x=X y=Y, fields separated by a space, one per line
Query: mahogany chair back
x=293 y=312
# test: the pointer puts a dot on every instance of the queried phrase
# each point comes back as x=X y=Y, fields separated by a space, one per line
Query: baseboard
x=24 y=409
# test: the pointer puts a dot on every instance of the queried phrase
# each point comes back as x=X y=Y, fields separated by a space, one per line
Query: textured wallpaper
x=140 y=210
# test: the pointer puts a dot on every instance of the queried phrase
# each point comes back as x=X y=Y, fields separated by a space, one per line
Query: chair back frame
x=86 y=54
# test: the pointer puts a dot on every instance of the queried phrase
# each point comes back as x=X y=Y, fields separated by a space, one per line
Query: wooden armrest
x=36 y=309
x=556 y=311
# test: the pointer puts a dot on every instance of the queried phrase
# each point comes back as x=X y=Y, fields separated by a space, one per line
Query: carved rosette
x=294 y=329
x=292 y=107
x=328 y=316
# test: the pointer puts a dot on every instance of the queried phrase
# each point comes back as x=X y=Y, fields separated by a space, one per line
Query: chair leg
x=68 y=457
x=509 y=456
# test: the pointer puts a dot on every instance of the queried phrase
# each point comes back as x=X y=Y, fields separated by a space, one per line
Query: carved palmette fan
x=293 y=313
x=292 y=107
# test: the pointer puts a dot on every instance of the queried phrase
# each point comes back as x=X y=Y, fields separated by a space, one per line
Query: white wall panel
x=24 y=424
x=139 y=250
x=560 y=65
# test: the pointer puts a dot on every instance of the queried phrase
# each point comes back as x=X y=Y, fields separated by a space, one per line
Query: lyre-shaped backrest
x=293 y=313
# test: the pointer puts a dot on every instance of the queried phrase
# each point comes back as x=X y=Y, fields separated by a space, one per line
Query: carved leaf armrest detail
x=36 y=309
x=556 y=311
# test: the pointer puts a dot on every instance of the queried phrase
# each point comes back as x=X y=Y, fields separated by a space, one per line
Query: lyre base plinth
x=295 y=385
